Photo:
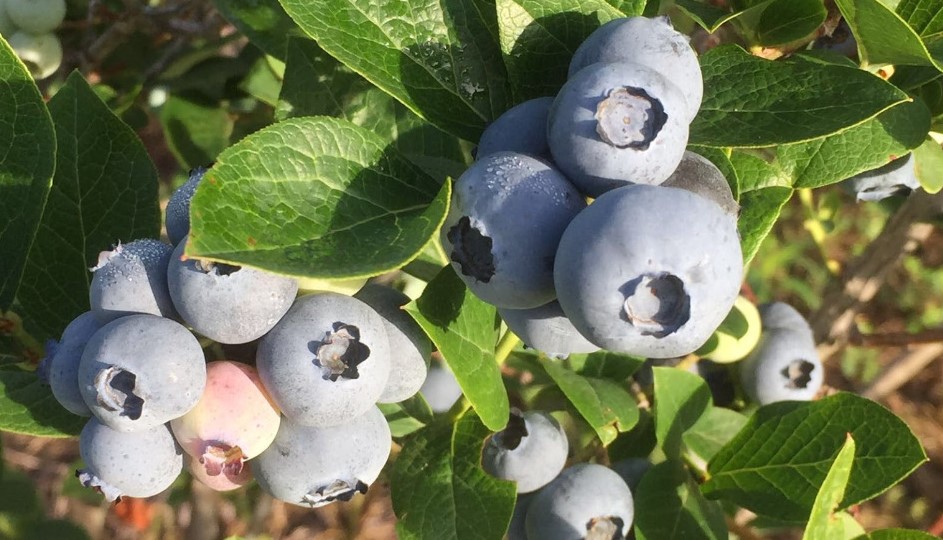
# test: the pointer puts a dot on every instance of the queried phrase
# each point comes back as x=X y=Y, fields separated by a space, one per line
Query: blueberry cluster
x=653 y=265
x=28 y=27
x=302 y=421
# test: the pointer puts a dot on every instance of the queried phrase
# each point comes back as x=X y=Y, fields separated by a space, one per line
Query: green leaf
x=668 y=504
x=928 y=164
x=318 y=85
x=195 y=132
x=785 y=21
x=407 y=416
x=759 y=210
x=441 y=60
x=538 y=39
x=28 y=406
x=19 y=504
x=713 y=430
x=606 y=406
x=751 y=102
x=824 y=161
x=883 y=36
x=776 y=464
x=604 y=364
x=28 y=147
x=104 y=191
x=315 y=197
x=440 y=491
x=264 y=22
x=823 y=523
x=264 y=80
x=897 y=534
x=708 y=16
x=465 y=331
x=681 y=398
x=924 y=16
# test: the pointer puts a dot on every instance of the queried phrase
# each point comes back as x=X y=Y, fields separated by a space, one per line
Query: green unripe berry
x=7 y=27
x=36 y=16
x=736 y=336
x=42 y=53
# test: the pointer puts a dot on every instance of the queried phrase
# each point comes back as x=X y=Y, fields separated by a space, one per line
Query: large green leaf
x=316 y=197
x=28 y=406
x=759 y=210
x=824 y=523
x=776 y=464
x=898 y=534
x=681 y=398
x=713 y=430
x=668 y=504
x=195 y=132
x=924 y=16
x=928 y=166
x=28 y=150
x=264 y=22
x=440 y=491
x=464 y=330
x=318 y=85
x=407 y=416
x=884 y=37
x=751 y=102
x=539 y=37
x=440 y=59
x=783 y=21
x=607 y=406
x=104 y=191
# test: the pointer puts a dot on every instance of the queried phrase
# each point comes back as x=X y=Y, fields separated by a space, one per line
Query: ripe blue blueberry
x=61 y=364
x=327 y=360
x=617 y=124
x=517 y=530
x=314 y=466
x=521 y=129
x=138 y=464
x=228 y=304
x=649 y=270
x=178 y=207
x=141 y=371
x=410 y=347
x=132 y=278
x=508 y=212
x=530 y=451
x=652 y=43
x=698 y=175
x=547 y=329
x=440 y=389
x=785 y=365
x=584 y=501
x=895 y=178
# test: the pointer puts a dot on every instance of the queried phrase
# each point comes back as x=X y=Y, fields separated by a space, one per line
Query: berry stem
x=506 y=345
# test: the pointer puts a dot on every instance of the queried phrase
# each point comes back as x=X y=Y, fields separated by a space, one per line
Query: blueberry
x=517 y=528
x=327 y=361
x=617 y=124
x=138 y=464
x=41 y=53
x=178 y=207
x=410 y=347
x=530 y=451
x=652 y=43
x=132 y=278
x=227 y=481
x=508 y=212
x=698 y=175
x=141 y=371
x=649 y=271
x=234 y=420
x=36 y=16
x=315 y=466
x=547 y=329
x=62 y=362
x=440 y=389
x=785 y=365
x=228 y=304
x=841 y=41
x=719 y=380
x=521 y=129
x=584 y=500
x=895 y=178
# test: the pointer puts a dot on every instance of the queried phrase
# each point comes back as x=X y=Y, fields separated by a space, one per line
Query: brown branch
x=902 y=369
x=895 y=339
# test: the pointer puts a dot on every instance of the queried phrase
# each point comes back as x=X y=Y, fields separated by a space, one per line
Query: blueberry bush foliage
x=369 y=110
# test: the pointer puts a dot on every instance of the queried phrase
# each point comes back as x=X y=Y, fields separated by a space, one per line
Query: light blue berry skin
x=531 y=451
x=141 y=371
x=410 y=347
x=651 y=42
x=895 y=178
x=581 y=496
x=132 y=278
x=62 y=363
x=139 y=464
x=547 y=329
x=507 y=215
x=521 y=129
x=316 y=375
x=701 y=177
x=440 y=389
x=517 y=529
x=177 y=218
x=314 y=466
x=649 y=271
x=785 y=365
x=617 y=124
x=227 y=306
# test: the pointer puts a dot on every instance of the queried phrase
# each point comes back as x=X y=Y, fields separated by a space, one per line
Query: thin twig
x=902 y=370
x=896 y=339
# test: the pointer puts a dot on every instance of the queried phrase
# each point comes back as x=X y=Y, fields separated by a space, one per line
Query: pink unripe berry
x=220 y=482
